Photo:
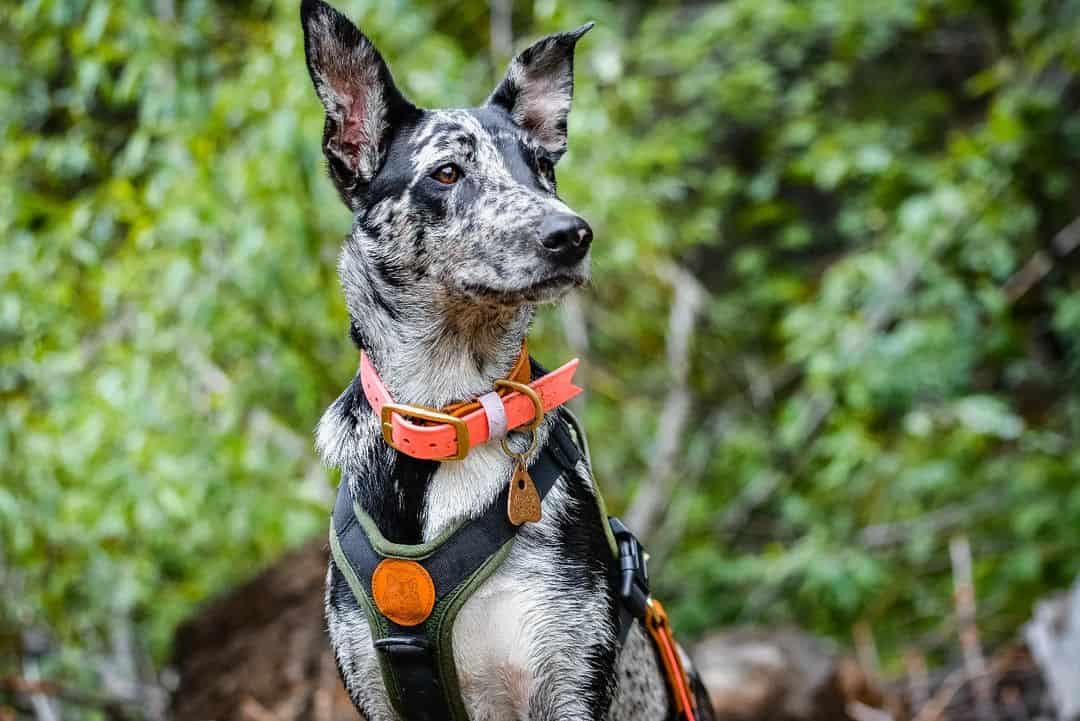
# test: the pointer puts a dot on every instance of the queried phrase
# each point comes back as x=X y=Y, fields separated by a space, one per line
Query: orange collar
x=449 y=433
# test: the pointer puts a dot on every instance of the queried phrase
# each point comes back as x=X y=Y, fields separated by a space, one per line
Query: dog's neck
x=445 y=351
x=431 y=349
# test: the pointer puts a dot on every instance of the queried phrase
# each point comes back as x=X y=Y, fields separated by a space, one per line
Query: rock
x=260 y=653
x=781 y=675
x=1053 y=636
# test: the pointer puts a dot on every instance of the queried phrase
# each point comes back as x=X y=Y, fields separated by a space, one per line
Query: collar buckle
x=461 y=430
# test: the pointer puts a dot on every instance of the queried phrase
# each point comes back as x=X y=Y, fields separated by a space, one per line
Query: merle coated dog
x=458 y=233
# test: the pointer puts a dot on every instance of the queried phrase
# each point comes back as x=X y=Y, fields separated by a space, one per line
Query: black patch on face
x=357 y=336
x=391 y=274
x=467 y=194
x=519 y=158
x=420 y=252
x=429 y=201
x=396 y=174
x=390 y=310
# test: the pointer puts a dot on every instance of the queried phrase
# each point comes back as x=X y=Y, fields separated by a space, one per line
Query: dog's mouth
x=545 y=290
x=553 y=287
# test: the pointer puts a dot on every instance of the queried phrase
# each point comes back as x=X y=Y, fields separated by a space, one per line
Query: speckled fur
x=440 y=282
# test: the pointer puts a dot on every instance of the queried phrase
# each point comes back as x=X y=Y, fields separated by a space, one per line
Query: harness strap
x=638 y=604
x=417 y=660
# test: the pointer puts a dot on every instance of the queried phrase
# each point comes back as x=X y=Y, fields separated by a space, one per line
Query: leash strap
x=638 y=604
x=417 y=660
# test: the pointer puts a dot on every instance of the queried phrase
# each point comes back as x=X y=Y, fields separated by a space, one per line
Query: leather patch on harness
x=403 y=591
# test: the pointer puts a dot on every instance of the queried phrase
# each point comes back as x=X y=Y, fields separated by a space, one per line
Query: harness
x=411 y=594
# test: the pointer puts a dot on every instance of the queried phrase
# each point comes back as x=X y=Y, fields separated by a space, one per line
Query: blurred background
x=831 y=347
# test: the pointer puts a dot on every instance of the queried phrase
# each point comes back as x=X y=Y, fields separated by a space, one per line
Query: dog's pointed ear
x=363 y=106
x=539 y=86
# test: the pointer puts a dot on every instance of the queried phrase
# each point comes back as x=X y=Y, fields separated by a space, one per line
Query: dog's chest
x=499 y=634
x=498 y=640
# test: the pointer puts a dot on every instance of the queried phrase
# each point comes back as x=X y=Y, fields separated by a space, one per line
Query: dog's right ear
x=363 y=106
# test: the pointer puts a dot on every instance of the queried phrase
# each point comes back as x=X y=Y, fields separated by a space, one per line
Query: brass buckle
x=461 y=430
x=529 y=393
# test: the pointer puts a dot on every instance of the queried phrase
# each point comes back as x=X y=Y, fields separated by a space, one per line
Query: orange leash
x=656 y=622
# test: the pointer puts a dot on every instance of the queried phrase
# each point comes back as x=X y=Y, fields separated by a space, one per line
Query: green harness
x=416 y=657
x=417 y=661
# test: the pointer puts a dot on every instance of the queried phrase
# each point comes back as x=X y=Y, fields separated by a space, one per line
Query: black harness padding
x=417 y=661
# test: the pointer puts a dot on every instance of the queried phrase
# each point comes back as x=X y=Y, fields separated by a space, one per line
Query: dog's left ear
x=539 y=86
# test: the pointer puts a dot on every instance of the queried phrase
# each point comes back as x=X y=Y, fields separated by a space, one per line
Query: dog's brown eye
x=447 y=174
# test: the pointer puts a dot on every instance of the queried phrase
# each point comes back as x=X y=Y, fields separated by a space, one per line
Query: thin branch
x=1041 y=262
x=886 y=535
x=502 y=32
x=934 y=710
x=866 y=650
x=918 y=677
x=673 y=526
x=964 y=596
x=655 y=491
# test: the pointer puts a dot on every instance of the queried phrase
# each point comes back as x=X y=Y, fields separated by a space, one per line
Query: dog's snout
x=565 y=237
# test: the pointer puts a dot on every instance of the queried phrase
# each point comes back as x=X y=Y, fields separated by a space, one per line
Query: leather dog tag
x=523 y=504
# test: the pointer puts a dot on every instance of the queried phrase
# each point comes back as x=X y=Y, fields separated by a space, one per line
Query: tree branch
x=655 y=490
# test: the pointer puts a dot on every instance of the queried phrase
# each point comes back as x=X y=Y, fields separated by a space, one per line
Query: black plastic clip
x=633 y=569
x=408 y=645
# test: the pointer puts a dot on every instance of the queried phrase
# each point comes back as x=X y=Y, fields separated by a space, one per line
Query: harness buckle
x=633 y=569
x=408 y=645
x=461 y=430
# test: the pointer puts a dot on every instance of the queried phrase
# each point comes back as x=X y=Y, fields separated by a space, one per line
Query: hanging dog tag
x=523 y=503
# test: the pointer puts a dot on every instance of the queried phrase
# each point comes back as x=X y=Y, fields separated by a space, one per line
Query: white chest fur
x=495 y=639
x=518 y=655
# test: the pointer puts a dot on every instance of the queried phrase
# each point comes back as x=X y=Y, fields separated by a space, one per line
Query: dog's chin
x=552 y=289
x=546 y=290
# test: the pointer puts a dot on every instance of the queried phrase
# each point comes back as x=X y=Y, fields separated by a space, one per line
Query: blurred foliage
x=855 y=184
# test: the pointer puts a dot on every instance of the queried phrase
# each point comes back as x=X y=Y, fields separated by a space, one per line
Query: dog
x=458 y=233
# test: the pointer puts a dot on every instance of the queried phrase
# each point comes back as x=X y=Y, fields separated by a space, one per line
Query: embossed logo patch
x=403 y=591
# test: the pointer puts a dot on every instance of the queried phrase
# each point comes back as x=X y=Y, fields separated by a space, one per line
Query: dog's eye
x=547 y=168
x=447 y=174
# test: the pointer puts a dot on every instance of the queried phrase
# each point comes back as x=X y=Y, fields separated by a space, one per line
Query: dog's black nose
x=565 y=237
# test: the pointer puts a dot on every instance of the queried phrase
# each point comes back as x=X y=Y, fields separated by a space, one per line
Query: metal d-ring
x=527 y=451
x=533 y=396
x=529 y=393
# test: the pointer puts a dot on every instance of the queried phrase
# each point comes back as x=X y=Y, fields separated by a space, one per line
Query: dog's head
x=459 y=203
